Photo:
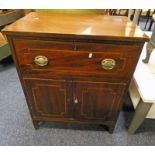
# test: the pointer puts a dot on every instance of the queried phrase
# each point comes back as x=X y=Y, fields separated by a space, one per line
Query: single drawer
x=35 y=58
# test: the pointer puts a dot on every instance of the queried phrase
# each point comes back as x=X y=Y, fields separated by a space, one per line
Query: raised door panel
x=97 y=101
x=48 y=98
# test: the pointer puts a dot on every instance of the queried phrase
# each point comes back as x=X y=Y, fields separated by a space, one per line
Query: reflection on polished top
x=74 y=25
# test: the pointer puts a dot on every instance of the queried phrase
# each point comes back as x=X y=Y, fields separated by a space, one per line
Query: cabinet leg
x=111 y=129
x=108 y=128
x=140 y=113
x=36 y=124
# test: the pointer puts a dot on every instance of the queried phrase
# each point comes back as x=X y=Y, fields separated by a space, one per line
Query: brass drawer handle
x=108 y=64
x=41 y=60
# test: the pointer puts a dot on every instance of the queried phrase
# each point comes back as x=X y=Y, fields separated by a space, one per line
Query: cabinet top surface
x=95 y=26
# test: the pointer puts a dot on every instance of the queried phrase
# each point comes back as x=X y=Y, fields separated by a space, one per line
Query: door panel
x=49 y=97
x=94 y=100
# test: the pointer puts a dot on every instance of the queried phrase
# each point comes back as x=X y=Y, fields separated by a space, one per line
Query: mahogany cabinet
x=75 y=69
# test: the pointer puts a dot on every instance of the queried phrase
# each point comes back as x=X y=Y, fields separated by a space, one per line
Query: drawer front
x=60 y=59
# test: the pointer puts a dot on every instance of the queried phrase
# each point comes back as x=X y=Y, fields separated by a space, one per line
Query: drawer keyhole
x=75 y=48
x=76 y=101
x=90 y=55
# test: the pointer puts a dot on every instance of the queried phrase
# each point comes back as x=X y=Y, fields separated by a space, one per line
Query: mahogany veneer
x=85 y=68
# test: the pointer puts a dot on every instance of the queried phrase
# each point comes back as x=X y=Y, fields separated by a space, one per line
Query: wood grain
x=73 y=87
x=76 y=59
x=76 y=26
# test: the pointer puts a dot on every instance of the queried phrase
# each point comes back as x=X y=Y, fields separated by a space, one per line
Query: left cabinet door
x=49 y=98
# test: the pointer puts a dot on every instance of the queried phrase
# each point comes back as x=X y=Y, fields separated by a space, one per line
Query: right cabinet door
x=97 y=100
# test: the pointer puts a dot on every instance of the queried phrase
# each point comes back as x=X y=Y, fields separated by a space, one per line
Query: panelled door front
x=49 y=98
x=96 y=100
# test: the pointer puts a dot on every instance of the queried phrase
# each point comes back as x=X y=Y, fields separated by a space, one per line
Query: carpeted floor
x=16 y=127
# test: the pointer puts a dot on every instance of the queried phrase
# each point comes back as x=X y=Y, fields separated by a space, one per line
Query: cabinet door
x=49 y=98
x=93 y=100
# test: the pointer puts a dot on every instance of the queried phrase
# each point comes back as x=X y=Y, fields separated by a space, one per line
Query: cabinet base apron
x=109 y=126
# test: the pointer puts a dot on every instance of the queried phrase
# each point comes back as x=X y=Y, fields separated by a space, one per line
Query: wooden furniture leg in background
x=148 y=16
x=111 y=129
x=129 y=14
x=140 y=113
x=136 y=16
x=150 y=46
x=151 y=22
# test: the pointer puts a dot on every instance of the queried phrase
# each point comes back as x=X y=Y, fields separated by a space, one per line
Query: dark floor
x=16 y=127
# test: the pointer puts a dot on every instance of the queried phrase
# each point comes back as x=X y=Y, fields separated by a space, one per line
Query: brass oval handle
x=108 y=64
x=41 y=60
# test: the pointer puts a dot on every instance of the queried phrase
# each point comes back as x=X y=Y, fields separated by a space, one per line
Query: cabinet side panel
x=14 y=54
